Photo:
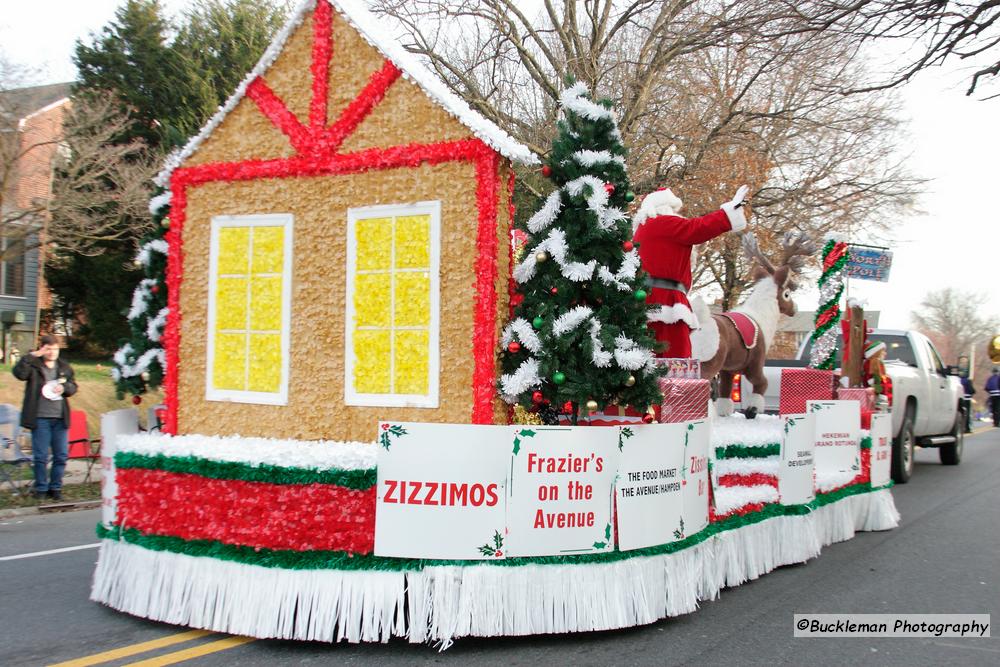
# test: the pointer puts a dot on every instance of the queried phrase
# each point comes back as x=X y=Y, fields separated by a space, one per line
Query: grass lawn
x=95 y=396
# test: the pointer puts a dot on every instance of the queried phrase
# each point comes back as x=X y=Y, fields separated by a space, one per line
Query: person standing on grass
x=45 y=412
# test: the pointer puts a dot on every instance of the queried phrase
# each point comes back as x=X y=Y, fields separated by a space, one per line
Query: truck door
x=942 y=412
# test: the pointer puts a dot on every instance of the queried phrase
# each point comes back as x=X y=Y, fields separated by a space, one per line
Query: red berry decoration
x=647 y=418
x=554 y=290
x=537 y=397
x=609 y=188
x=514 y=347
x=516 y=300
x=136 y=400
x=155 y=289
x=627 y=246
x=567 y=407
x=546 y=170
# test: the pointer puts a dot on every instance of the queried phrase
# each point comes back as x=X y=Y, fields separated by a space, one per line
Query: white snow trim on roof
x=573 y=99
x=309 y=454
x=591 y=158
x=525 y=334
x=357 y=14
x=158 y=202
x=524 y=378
x=145 y=252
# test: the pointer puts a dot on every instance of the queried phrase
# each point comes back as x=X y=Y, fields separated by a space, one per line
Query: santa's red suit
x=666 y=241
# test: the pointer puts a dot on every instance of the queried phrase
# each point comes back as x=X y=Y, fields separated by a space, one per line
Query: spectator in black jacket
x=45 y=411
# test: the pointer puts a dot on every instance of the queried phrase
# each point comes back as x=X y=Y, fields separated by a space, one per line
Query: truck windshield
x=897 y=348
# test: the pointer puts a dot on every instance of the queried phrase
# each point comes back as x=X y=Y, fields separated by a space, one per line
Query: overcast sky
x=955 y=142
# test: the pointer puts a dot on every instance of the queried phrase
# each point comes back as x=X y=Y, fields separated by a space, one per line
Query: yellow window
x=249 y=309
x=392 y=288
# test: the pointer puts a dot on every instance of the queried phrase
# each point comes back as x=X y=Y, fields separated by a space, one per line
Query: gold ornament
x=541 y=256
x=592 y=405
x=630 y=382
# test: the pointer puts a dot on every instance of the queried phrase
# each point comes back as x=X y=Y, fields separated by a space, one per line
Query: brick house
x=31 y=121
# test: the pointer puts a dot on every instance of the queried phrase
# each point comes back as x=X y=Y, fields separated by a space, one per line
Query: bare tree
x=956 y=321
x=940 y=30
x=709 y=95
x=100 y=187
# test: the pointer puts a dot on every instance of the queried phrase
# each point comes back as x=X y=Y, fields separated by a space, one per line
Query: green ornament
x=629 y=196
x=537 y=322
x=558 y=377
x=640 y=295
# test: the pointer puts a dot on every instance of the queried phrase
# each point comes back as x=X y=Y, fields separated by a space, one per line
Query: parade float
x=385 y=419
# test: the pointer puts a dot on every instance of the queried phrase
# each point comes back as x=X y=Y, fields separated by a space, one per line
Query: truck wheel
x=951 y=455
x=902 y=450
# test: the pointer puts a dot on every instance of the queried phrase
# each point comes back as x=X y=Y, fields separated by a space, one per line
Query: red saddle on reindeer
x=748 y=329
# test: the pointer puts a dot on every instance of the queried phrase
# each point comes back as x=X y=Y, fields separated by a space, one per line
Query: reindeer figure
x=738 y=341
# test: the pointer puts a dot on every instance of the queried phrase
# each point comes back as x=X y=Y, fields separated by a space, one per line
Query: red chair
x=81 y=446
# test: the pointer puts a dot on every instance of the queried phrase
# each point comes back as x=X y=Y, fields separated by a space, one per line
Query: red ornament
x=514 y=347
x=647 y=418
x=136 y=400
x=537 y=397
x=554 y=290
x=516 y=300
x=627 y=246
x=546 y=170
x=568 y=407
x=155 y=289
x=609 y=188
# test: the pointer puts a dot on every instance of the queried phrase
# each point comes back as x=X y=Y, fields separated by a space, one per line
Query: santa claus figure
x=666 y=242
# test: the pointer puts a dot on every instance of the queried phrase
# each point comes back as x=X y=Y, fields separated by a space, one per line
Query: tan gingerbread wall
x=316 y=384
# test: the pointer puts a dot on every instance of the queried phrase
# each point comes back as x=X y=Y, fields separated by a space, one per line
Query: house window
x=391 y=341
x=249 y=309
x=13 y=268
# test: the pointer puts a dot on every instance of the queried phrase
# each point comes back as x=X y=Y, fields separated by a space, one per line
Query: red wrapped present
x=863 y=395
x=799 y=385
x=684 y=400
x=612 y=415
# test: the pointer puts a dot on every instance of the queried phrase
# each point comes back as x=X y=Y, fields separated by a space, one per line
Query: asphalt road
x=944 y=558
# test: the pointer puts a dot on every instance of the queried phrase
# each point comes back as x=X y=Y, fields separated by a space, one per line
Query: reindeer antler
x=752 y=250
x=796 y=247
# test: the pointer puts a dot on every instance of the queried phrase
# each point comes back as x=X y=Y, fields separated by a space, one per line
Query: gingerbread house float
x=338 y=257
x=339 y=244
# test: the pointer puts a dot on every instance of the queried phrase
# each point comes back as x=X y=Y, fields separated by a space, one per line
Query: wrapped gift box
x=799 y=385
x=684 y=400
x=612 y=415
x=863 y=395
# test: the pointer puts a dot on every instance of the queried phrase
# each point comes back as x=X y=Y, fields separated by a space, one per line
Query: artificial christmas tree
x=139 y=363
x=578 y=334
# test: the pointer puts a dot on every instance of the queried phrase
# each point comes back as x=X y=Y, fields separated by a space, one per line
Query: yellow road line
x=133 y=649
x=193 y=652
x=984 y=429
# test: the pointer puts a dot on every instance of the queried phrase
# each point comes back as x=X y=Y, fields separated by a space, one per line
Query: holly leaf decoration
x=493 y=550
x=525 y=432
x=394 y=430
x=600 y=545
x=623 y=435
x=679 y=531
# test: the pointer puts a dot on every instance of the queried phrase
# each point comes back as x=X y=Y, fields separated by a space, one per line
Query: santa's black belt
x=663 y=283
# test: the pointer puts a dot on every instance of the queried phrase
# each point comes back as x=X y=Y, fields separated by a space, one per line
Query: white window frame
x=286 y=221
x=430 y=400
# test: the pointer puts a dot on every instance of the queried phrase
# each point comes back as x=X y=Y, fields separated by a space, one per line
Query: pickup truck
x=926 y=408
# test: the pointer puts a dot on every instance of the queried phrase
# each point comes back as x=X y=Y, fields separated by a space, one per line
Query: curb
x=50 y=509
